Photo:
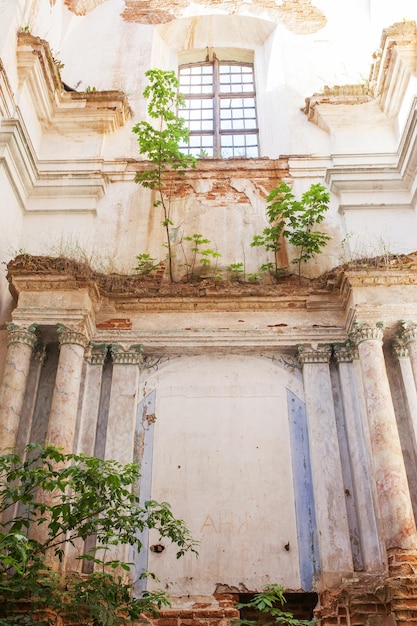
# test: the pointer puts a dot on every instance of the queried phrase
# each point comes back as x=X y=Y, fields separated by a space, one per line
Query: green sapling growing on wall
x=161 y=145
x=294 y=220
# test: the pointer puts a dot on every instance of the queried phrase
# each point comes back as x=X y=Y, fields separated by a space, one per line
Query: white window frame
x=223 y=122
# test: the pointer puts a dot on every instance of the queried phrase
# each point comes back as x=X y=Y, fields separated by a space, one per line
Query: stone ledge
x=72 y=111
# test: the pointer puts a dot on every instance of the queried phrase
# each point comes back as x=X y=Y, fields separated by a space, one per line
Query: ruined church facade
x=279 y=418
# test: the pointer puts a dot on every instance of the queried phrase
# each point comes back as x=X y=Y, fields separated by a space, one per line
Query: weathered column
x=401 y=352
x=329 y=495
x=20 y=347
x=359 y=458
x=63 y=415
x=123 y=401
x=387 y=460
x=95 y=357
x=408 y=337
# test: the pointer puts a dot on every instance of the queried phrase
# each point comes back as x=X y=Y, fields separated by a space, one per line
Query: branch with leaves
x=161 y=145
x=64 y=498
x=294 y=220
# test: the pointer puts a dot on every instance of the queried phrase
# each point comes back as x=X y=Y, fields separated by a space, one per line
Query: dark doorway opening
x=301 y=605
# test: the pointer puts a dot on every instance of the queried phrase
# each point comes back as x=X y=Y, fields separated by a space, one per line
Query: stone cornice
x=38 y=185
x=71 y=111
x=198 y=316
x=395 y=62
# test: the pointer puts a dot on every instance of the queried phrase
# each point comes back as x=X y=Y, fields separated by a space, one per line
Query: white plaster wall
x=222 y=459
x=102 y=50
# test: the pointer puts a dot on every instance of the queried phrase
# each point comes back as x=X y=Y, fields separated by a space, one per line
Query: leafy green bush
x=267 y=606
x=294 y=220
x=51 y=500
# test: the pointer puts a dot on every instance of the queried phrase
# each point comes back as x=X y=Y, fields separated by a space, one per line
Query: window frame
x=217 y=95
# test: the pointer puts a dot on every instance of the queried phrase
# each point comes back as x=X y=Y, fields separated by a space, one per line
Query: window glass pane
x=237 y=114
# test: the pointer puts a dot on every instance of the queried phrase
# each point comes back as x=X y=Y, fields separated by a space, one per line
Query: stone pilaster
x=387 y=460
x=358 y=446
x=21 y=344
x=402 y=353
x=25 y=430
x=96 y=355
x=63 y=416
x=121 y=421
x=331 y=514
x=123 y=401
x=408 y=338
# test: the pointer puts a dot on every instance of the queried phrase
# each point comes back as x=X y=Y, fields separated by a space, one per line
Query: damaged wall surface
x=278 y=417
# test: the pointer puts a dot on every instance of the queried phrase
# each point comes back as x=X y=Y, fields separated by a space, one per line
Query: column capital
x=126 y=356
x=367 y=331
x=20 y=334
x=96 y=353
x=345 y=352
x=39 y=354
x=309 y=354
x=399 y=348
x=71 y=336
x=408 y=332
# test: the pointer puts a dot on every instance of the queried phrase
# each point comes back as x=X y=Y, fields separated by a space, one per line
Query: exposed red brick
x=115 y=324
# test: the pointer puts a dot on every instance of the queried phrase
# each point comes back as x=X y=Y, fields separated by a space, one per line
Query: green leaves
x=205 y=256
x=268 y=603
x=161 y=144
x=66 y=498
x=295 y=221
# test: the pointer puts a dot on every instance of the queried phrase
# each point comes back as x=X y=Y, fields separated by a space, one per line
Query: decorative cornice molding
x=18 y=334
x=133 y=355
x=395 y=62
x=71 y=111
x=310 y=354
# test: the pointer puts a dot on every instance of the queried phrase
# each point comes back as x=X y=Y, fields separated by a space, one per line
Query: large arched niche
x=223 y=447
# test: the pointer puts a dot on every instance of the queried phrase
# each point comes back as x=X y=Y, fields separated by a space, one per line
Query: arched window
x=220 y=108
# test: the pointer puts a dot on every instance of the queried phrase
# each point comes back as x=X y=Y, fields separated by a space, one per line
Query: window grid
x=220 y=109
